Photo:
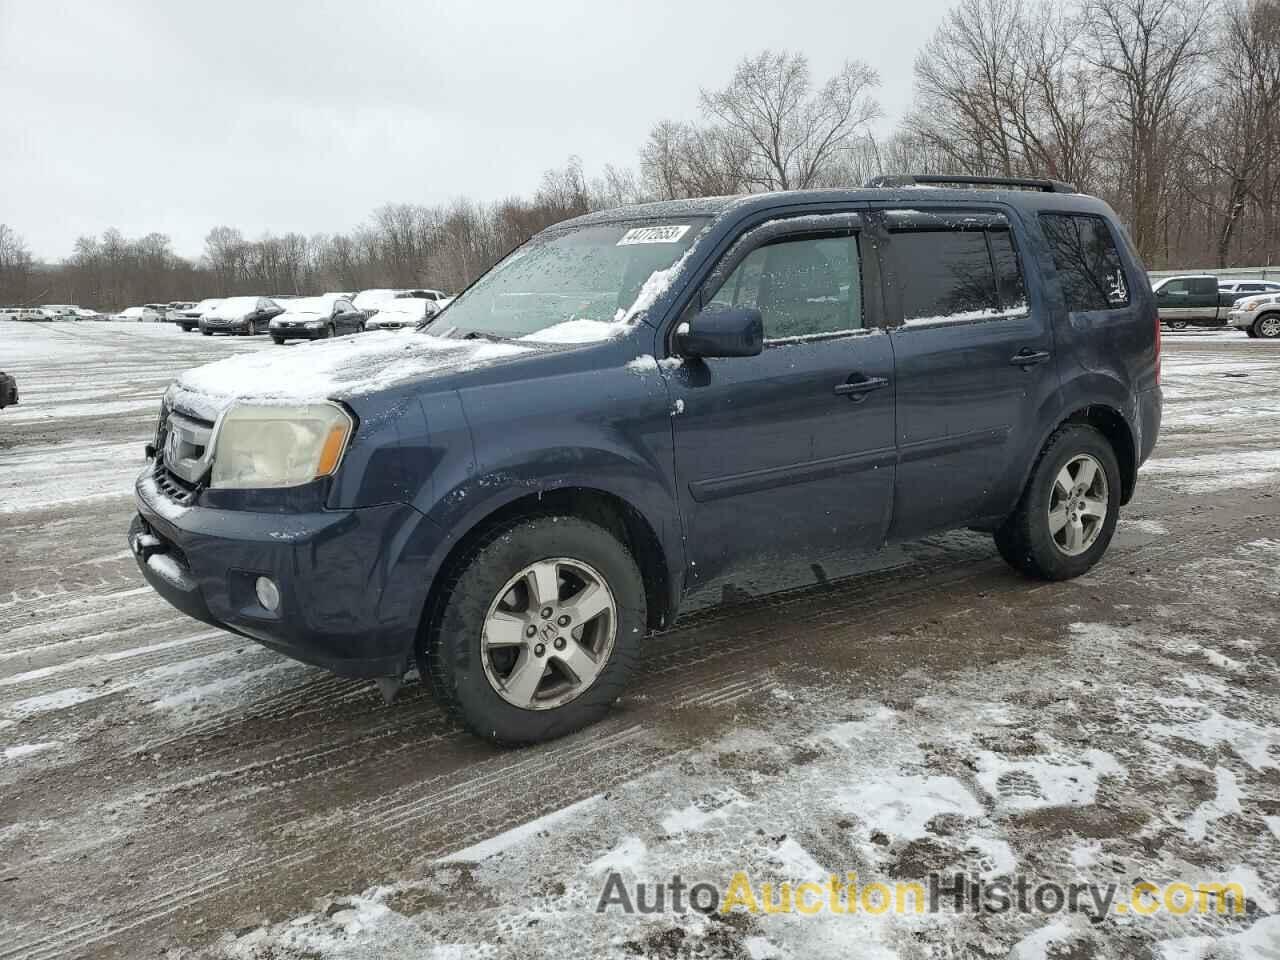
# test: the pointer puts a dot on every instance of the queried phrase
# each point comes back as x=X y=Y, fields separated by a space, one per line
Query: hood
x=330 y=370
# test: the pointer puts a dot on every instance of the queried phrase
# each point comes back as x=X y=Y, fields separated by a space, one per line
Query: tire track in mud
x=512 y=787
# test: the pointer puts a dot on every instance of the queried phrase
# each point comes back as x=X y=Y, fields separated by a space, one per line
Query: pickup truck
x=1196 y=300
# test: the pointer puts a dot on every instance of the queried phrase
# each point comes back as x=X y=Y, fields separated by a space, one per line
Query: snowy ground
x=170 y=790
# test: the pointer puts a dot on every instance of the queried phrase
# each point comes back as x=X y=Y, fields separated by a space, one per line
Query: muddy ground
x=171 y=790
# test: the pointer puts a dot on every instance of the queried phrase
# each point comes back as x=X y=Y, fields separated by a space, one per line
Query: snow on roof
x=322 y=304
x=371 y=298
x=329 y=369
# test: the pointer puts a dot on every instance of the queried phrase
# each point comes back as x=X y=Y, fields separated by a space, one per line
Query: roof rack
x=1022 y=183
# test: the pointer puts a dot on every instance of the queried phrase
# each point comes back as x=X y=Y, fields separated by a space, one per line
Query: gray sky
x=179 y=116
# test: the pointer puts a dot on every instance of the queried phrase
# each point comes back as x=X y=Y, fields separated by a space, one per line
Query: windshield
x=592 y=273
x=207 y=304
x=309 y=305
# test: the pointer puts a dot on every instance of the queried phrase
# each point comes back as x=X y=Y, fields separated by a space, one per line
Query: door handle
x=1029 y=358
x=858 y=389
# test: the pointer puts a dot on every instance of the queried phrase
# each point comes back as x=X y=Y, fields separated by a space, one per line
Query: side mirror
x=722 y=332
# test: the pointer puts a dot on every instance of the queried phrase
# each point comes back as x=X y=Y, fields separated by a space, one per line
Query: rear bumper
x=1151 y=412
x=352 y=582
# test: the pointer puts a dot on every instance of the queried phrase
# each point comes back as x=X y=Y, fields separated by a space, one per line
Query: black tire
x=251 y=328
x=329 y=332
x=1267 y=327
x=1250 y=333
x=1025 y=540
x=207 y=333
x=449 y=653
x=279 y=341
x=1177 y=324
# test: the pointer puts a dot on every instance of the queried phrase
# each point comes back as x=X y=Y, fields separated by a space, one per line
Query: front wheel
x=207 y=333
x=1268 y=327
x=278 y=341
x=251 y=328
x=1177 y=324
x=1068 y=510
x=537 y=631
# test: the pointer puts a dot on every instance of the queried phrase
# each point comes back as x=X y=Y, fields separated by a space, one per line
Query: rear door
x=973 y=360
x=791 y=451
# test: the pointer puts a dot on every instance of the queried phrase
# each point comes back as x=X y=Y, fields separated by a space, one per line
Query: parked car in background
x=160 y=308
x=316 y=318
x=247 y=315
x=615 y=412
x=189 y=317
x=8 y=390
x=147 y=314
x=402 y=313
x=1242 y=288
x=1192 y=300
x=9 y=313
x=174 y=307
x=59 y=311
x=1257 y=316
x=84 y=313
x=368 y=301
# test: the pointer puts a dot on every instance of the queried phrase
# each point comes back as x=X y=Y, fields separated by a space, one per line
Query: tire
x=1250 y=333
x=207 y=333
x=329 y=332
x=1267 y=326
x=1177 y=324
x=278 y=341
x=251 y=328
x=468 y=681
x=1027 y=540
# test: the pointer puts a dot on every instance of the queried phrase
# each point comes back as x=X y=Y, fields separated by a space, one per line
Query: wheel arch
x=609 y=510
x=1111 y=423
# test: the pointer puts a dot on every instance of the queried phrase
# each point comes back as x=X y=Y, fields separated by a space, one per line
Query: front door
x=974 y=364
x=792 y=450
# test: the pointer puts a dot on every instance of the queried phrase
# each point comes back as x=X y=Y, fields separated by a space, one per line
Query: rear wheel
x=279 y=341
x=1177 y=324
x=1267 y=327
x=251 y=328
x=1068 y=511
x=207 y=333
x=537 y=631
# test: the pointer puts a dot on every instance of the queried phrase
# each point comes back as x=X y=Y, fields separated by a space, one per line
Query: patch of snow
x=902 y=806
x=643 y=364
x=968 y=316
x=1035 y=946
x=579 y=331
x=29 y=749
x=330 y=369
x=1153 y=527
x=1058 y=781
x=1250 y=741
x=627 y=856
x=998 y=858
x=698 y=815
x=796 y=863
x=1261 y=941
x=518 y=835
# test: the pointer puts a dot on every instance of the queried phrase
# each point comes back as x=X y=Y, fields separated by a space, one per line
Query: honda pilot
x=642 y=399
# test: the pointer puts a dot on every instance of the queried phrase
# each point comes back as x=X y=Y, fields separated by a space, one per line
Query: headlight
x=1249 y=304
x=279 y=446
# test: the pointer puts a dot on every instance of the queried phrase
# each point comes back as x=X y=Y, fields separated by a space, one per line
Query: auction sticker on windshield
x=670 y=234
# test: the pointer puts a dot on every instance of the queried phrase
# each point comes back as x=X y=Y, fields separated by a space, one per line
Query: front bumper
x=224 y=326
x=297 y=333
x=1239 y=319
x=352 y=582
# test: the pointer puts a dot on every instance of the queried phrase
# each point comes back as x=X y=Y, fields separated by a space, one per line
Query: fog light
x=268 y=593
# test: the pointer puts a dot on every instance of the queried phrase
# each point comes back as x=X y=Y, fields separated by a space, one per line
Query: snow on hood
x=341 y=368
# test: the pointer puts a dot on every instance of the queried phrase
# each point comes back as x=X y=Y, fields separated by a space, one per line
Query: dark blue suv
x=640 y=399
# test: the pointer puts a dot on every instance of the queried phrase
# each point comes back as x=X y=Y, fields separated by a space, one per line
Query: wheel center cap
x=548 y=632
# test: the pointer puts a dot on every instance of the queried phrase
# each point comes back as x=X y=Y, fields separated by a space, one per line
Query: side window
x=945 y=275
x=1009 y=282
x=802 y=288
x=1177 y=287
x=1249 y=288
x=1088 y=262
x=1204 y=286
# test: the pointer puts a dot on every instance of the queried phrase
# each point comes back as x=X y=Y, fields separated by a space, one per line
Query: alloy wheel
x=1078 y=505
x=1269 y=327
x=548 y=634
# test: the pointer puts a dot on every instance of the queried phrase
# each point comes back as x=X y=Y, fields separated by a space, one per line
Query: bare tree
x=16 y=265
x=792 y=131
x=1147 y=52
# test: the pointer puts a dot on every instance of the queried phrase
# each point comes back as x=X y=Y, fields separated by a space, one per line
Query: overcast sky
x=178 y=116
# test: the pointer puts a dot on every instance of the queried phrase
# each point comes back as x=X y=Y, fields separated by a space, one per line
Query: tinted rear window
x=1088 y=262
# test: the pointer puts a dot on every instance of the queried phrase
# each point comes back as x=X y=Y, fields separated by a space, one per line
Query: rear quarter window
x=1088 y=263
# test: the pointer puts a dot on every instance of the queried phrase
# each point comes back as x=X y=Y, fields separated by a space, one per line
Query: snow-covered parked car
x=403 y=313
x=189 y=317
x=247 y=315
x=8 y=390
x=85 y=313
x=148 y=314
x=316 y=318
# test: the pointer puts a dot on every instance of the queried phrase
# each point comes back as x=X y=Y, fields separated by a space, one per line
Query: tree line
x=1167 y=109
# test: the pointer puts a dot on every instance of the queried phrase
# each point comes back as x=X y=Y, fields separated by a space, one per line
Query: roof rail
x=922 y=179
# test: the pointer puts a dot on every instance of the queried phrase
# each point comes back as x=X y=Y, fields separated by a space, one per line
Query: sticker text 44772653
x=664 y=234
